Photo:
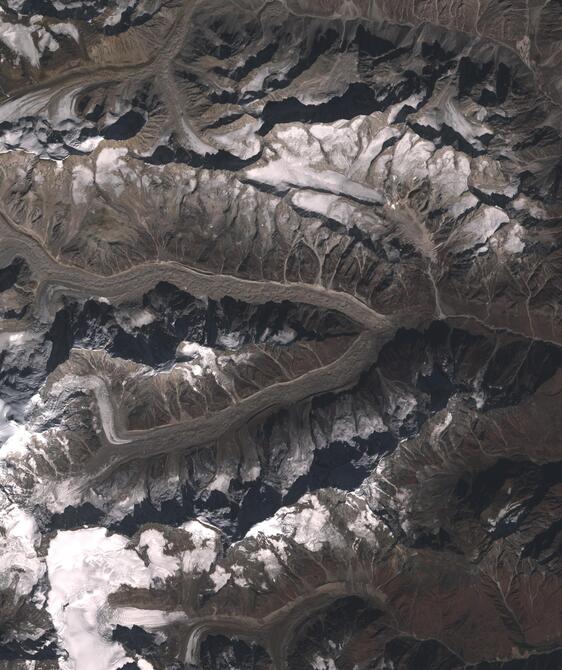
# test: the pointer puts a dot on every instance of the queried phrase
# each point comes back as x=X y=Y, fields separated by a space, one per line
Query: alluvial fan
x=280 y=335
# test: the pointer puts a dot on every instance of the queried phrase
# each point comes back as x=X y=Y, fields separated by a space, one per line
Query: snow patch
x=450 y=115
x=283 y=174
x=111 y=169
x=219 y=577
x=13 y=435
x=204 y=553
x=324 y=204
x=82 y=180
x=161 y=565
x=308 y=524
x=514 y=243
x=479 y=228
x=84 y=567
x=145 y=618
x=135 y=318
x=66 y=29
x=19 y=39
x=20 y=567
x=230 y=340
x=321 y=663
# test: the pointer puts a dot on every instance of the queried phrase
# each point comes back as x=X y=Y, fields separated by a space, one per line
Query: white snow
x=284 y=336
x=286 y=174
x=82 y=180
x=205 y=356
x=200 y=360
x=534 y=207
x=242 y=141
x=204 y=553
x=111 y=169
x=134 y=318
x=161 y=565
x=64 y=5
x=28 y=42
x=449 y=114
x=477 y=229
x=324 y=204
x=361 y=166
x=19 y=39
x=20 y=567
x=141 y=318
x=84 y=567
x=270 y=561
x=9 y=340
x=67 y=29
x=365 y=524
x=346 y=425
x=219 y=577
x=449 y=172
x=221 y=482
x=307 y=524
x=249 y=472
x=321 y=663
x=145 y=618
x=230 y=340
x=46 y=41
x=463 y=204
x=410 y=159
x=295 y=143
x=412 y=101
x=514 y=243
x=339 y=143
x=513 y=510
x=13 y=435
x=87 y=144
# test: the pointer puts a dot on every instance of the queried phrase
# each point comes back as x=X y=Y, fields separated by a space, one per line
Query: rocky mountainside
x=280 y=335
